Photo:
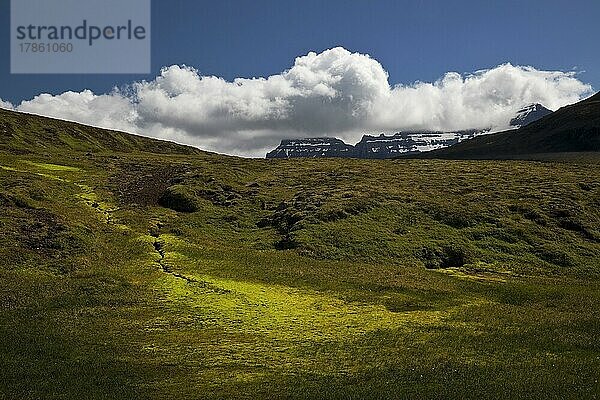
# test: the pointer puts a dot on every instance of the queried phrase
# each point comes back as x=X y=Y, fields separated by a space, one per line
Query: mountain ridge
x=370 y=146
x=32 y=133
x=403 y=143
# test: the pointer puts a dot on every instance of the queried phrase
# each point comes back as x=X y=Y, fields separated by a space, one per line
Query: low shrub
x=179 y=198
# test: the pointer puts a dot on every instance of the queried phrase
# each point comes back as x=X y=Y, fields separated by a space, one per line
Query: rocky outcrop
x=312 y=147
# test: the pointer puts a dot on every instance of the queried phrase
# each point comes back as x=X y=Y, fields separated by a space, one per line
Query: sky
x=336 y=68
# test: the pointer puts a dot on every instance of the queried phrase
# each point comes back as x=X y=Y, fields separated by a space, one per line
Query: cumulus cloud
x=108 y=110
x=333 y=93
x=486 y=98
x=6 y=105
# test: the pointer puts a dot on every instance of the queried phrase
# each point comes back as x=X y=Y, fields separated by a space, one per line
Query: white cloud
x=6 y=105
x=484 y=98
x=334 y=93
x=108 y=110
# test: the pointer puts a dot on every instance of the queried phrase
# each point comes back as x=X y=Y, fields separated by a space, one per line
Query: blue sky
x=413 y=40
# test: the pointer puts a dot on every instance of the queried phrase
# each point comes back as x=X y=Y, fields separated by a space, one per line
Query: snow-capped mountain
x=397 y=144
x=383 y=146
x=529 y=114
x=312 y=147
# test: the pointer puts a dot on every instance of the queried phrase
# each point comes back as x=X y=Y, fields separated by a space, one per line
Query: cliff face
x=408 y=143
x=381 y=146
x=312 y=148
x=400 y=143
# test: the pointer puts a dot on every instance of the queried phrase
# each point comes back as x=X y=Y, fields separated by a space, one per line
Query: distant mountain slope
x=28 y=133
x=311 y=148
x=383 y=146
x=370 y=146
x=391 y=146
x=574 y=128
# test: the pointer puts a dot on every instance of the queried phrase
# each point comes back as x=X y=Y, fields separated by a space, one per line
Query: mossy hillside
x=388 y=220
x=358 y=303
x=22 y=134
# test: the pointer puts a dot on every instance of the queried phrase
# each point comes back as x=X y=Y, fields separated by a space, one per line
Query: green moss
x=54 y=167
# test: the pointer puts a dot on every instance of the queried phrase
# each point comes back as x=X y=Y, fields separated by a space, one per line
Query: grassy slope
x=25 y=133
x=296 y=278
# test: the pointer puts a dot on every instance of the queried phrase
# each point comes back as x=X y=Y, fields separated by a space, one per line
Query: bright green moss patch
x=54 y=167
